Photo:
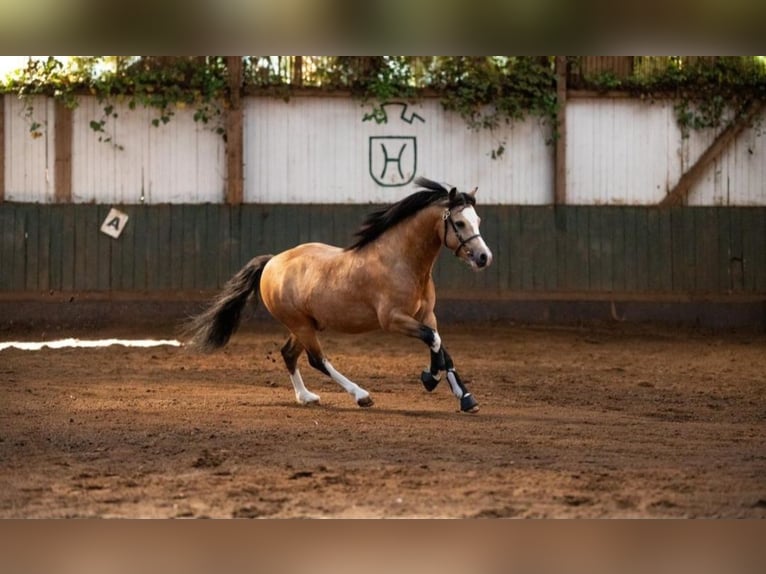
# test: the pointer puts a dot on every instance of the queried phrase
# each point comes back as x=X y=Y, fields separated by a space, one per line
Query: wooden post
x=234 y=134
x=62 y=167
x=678 y=194
x=297 y=71
x=2 y=148
x=560 y=170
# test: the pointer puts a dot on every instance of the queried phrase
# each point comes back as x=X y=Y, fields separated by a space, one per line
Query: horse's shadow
x=377 y=411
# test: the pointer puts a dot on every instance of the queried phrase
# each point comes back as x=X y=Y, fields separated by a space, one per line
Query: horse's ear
x=452 y=194
x=473 y=192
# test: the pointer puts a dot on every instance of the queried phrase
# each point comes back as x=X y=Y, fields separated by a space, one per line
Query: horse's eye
x=460 y=224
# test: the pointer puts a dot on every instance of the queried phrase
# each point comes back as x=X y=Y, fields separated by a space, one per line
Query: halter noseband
x=447 y=217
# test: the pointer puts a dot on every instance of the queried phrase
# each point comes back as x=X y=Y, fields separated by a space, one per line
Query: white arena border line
x=89 y=344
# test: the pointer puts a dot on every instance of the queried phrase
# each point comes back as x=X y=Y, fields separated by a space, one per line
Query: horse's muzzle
x=481 y=258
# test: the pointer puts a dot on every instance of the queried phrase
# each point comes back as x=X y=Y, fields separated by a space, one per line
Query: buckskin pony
x=382 y=280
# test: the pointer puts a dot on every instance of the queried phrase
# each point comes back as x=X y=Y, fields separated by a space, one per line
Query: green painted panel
x=630 y=249
x=231 y=219
x=659 y=254
x=269 y=227
x=736 y=249
x=595 y=273
x=80 y=253
x=270 y=233
x=293 y=225
x=55 y=248
x=536 y=248
x=677 y=239
x=44 y=241
x=275 y=236
x=499 y=244
x=31 y=247
x=7 y=240
x=603 y=250
x=496 y=277
x=582 y=244
x=127 y=245
x=512 y=227
x=188 y=251
x=117 y=251
x=204 y=264
x=153 y=249
x=706 y=248
x=139 y=224
x=564 y=269
x=68 y=247
x=165 y=251
x=103 y=251
x=529 y=251
x=347 y=222
x=545 y=264
x=208 y=247
x=615 y=226
x=323 y=226
x=18 y=266
x=567 y=249
x=93 y=240
x=753 y=248
x=642 y=250
x=723 y=263
x=249 y=217
x=758 y=233
x=689 y=249
x=297 y=224
x=175 y=248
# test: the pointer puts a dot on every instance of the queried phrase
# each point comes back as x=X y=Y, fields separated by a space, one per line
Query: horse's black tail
x=212 y=328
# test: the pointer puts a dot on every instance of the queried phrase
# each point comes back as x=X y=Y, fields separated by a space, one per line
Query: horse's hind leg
x=317 y=360
x=291 y=350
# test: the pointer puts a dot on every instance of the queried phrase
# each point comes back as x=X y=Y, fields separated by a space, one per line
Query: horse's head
x=461 y=230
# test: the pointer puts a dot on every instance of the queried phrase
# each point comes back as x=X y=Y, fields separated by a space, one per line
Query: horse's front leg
x=440 y=360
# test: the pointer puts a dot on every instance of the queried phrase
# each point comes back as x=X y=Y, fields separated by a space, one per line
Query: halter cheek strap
x=447 y=217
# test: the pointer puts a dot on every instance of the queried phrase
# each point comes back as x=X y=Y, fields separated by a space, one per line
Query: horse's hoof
x=429 y=381
x=365 y=402
x=308 y=400
x=468 y=404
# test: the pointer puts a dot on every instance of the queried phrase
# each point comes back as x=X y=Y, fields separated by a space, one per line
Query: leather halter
x=447 y=217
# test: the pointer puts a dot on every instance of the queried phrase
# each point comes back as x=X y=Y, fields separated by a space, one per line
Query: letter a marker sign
x=114 y=223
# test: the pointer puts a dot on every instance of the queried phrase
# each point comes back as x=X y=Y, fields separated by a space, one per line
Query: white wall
x=318 y=150
x=179 y=162
x=623 y=151
x=29 y=160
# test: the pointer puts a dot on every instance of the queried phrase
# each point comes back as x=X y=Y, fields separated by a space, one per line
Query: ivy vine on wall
x=486 y=91
x=707 y=92
x=162 y=84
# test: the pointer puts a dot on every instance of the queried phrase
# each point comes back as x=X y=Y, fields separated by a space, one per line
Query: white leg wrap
x=350 y=387
x=456 y=390
x=437 y=344
x=302 y=394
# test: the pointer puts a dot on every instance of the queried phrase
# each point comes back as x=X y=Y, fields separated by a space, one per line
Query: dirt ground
x=574 y=422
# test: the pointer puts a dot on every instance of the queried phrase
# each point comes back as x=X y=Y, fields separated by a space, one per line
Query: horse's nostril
x=483 y=259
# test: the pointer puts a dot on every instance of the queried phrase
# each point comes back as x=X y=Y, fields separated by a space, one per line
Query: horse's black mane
x=379 y=222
